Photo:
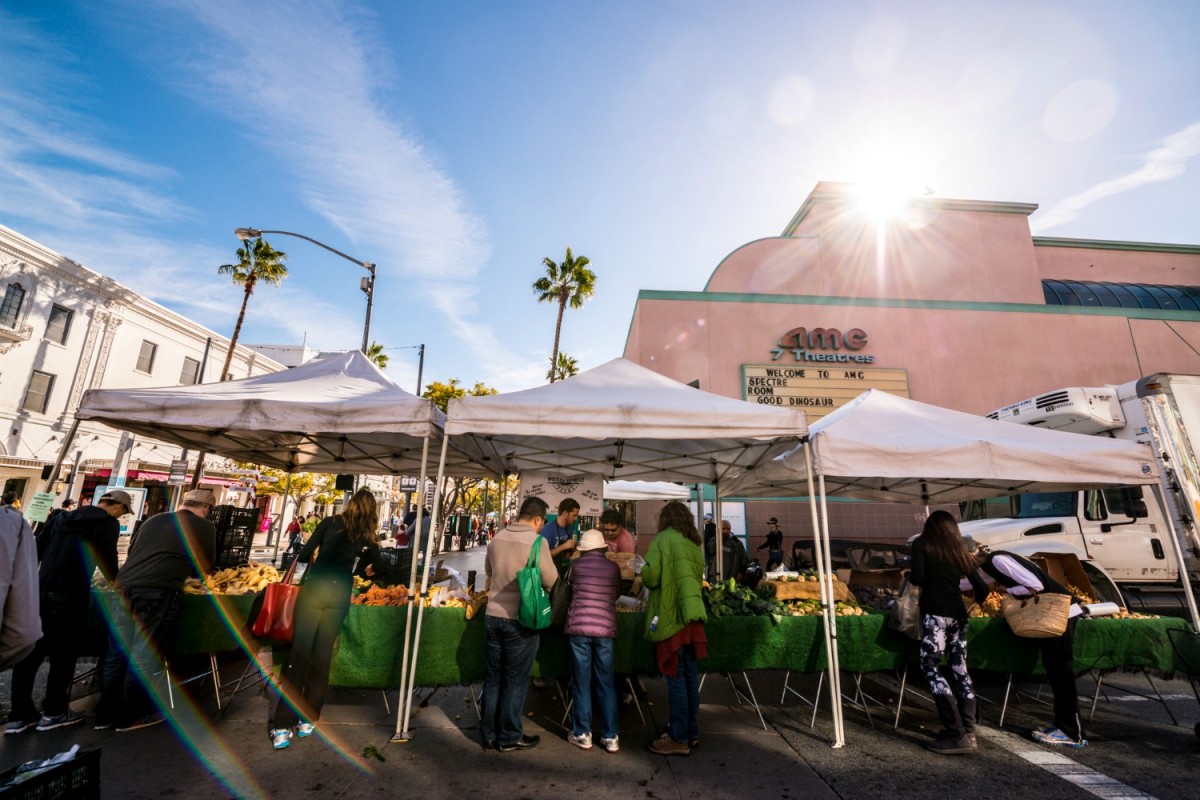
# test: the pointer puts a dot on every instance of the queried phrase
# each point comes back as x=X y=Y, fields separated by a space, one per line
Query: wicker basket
x=1040 y=616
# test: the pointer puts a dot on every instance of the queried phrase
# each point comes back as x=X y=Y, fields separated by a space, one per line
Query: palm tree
x=567 y=368
x=375 y=353
x=260 y=263
x=569 y=282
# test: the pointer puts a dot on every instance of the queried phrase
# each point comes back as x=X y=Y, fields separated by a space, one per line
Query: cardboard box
x=1064 y=568
x=805 y=590
x=888 y=578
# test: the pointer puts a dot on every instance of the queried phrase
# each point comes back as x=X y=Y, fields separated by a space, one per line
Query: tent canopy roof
x=339 y=413
x=883 y=447
x=625 y=422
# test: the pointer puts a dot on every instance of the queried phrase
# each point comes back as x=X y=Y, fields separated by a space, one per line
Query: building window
x=37 y=396
x=59 y=324
x=10 y=309
x=1121 y=295
x=145 y=362
x=190 y=372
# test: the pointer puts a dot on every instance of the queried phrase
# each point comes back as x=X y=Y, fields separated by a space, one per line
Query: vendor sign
x=554 y=487
x=39 y=507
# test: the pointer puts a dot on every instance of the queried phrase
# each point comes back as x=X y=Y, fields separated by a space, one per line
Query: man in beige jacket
x=511 y=647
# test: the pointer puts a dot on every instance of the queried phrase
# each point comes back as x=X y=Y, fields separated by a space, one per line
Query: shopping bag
x=1038 y=616
x=560 y=601
x=905 y=616
x=535 y=612
x=275 y=619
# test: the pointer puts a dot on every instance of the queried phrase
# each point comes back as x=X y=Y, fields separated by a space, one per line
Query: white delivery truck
x=1126 y=531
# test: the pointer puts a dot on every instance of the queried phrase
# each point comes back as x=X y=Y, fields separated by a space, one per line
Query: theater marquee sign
x=826 y=370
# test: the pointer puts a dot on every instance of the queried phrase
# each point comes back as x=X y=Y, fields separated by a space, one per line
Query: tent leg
x=62 y=455
x=414 y=545
x=835 y=674
x=404 y=733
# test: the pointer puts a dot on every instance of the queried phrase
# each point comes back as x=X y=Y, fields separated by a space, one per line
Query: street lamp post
x=367 y=285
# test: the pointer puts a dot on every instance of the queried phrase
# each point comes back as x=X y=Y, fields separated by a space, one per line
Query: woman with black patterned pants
x=939 y=561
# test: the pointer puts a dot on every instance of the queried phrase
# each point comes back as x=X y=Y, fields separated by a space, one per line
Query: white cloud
x=1165 y=163
x=356 y=164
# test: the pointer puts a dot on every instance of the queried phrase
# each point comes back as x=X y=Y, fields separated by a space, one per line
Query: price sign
x=817 y=390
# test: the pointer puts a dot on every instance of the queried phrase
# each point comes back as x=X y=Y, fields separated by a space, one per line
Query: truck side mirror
x=1137 y=509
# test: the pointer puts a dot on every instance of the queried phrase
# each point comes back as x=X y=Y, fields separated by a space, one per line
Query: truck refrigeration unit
x=1126 y=531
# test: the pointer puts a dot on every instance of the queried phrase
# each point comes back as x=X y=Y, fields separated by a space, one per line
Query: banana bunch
x=361 y=584
x=247 y=579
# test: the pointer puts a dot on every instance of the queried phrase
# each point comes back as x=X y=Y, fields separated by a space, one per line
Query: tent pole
x=287 y=491
x=1184 y=578
x=819 y=558
x=836 y=675
x=405 y=733
x=62 y=454
x=720 y=551
x=414 y=545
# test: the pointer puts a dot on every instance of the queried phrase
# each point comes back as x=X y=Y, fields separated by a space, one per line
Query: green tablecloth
x=369 y=649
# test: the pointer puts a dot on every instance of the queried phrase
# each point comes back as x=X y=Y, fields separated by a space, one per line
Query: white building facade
x=65 y=329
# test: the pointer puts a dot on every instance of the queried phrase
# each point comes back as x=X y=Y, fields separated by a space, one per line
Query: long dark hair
x=944 y=544
x=361 y=517
x=678 y=516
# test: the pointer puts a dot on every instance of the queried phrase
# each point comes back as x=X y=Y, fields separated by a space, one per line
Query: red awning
x=148 y=475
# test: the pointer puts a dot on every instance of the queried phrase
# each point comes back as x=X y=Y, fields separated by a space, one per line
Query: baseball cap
x=201 y=496
x=591 y=540
x=773 y=521
x=117 y=496
x=707 y=516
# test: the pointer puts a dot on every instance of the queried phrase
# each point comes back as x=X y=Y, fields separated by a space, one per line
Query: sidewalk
x=203 y=754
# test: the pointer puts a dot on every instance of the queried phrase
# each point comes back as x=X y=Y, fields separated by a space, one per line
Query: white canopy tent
x=624 y=422
x=338 y=414
x=887 y=448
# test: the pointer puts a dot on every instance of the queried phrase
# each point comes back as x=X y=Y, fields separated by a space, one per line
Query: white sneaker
x=610 y=745
x=581 y=740
x=305 y=729
x=281 y=738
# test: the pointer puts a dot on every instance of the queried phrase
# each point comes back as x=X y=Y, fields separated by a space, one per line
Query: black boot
x=955 y=739
x=968 y=711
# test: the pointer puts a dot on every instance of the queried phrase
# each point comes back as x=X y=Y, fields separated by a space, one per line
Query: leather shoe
x=489 y=744
x=524 y=743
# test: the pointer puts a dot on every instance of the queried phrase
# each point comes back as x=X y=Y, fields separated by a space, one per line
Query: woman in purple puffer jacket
x=592 y=628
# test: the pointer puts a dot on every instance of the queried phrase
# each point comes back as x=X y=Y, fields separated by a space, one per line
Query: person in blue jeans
x=511 y=647
x=591 y=629
x=675 y=617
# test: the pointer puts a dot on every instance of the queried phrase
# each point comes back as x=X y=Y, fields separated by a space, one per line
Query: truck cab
x=1112 y=527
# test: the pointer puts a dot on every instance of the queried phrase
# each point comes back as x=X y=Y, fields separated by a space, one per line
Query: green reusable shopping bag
x=535 y=612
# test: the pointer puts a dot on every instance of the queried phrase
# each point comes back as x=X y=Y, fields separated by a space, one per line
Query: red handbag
x=276 y=619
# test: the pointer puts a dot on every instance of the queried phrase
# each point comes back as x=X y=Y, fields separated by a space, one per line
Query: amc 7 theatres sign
x=826 y=372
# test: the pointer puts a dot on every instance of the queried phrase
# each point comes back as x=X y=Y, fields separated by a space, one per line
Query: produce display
x=380 y=596
x=991 y=605
x=731 y=599
x=246 y=579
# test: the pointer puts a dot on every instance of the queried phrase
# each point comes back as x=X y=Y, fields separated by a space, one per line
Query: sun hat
x=591 y=540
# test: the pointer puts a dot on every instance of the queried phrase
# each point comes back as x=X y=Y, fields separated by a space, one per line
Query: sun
x=890 y=172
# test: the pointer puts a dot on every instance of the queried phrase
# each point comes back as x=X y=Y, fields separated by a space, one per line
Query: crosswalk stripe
x=1056 y=763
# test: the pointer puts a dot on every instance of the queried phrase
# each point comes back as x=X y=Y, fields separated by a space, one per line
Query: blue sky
x=457 y=144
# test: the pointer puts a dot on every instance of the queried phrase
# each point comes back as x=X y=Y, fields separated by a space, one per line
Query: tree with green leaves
x=442 y=393
x=375 y=353
x=257 y=262
x=568 y=283
x=567 y=368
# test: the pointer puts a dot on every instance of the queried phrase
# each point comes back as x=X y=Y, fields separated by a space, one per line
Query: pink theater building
x=950 y=302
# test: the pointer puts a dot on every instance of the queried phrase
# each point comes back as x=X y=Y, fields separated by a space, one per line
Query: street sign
x=178 y=476
x=408 y=484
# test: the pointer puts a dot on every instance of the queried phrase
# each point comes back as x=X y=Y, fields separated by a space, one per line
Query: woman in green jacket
x=674 y=573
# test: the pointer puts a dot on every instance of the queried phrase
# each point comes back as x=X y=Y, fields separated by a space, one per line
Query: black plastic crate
x=232 y=557
x=234 y=517
x=77 y=779
x=394 y=566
